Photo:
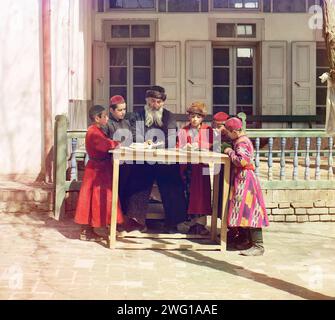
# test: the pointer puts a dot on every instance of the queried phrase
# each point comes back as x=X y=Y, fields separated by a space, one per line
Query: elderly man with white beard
x=155 y=123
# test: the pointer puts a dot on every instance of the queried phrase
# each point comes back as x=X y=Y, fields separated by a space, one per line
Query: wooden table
x=170 y=156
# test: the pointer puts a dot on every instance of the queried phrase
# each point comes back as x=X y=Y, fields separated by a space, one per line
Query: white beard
x=153 y=116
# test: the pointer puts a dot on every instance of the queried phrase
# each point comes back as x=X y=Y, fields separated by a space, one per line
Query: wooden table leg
x=214 y=218
x=226 y=178
x=115 y=197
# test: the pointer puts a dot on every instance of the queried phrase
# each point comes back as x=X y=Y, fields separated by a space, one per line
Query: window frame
x=318 y=85
x=317 y=2
x=108 y=9
x=233 y=77
x=130 y=69
x=210 y=8
x=259 y=34
x=259 y=9
x=107 y=34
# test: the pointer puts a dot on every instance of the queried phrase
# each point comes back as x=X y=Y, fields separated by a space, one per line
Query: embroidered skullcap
x=221 y=116
x=233 y=124
x=116 y=100
x=197 y=108
x=156 y=92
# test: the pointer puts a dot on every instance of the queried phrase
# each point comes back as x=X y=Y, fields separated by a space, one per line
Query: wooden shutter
x=199 y=72
x=100 y=73
x=168 y=72
x=274 y=94
x=303 y=78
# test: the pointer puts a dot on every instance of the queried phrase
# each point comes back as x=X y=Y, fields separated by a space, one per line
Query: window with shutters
x=234 y=78
x=322 y=66
x=131 y=73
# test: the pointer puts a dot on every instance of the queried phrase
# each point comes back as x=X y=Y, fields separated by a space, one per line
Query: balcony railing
x=293 y=159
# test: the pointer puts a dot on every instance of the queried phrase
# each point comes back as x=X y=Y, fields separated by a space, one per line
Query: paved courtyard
x=41 y=258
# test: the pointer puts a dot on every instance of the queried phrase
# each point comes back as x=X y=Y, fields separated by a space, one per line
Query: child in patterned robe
x=246 y=203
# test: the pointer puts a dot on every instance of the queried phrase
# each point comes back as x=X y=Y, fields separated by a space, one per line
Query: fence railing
x=284 y=159
x=293 y=159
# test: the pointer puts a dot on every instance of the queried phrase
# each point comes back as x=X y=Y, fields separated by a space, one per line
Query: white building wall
x=20 y=89
x=21 y=76
x=60 y=17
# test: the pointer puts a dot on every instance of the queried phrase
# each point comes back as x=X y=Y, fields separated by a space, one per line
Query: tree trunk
x=329 y=36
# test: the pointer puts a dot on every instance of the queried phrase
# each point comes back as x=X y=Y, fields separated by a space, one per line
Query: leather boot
x=243 y=241
x=257 y=248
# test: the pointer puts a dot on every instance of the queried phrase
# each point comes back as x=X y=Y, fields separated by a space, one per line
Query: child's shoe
x=131 y=225
x=184 y=227
x=199 y=229
x=255 y=250
x=257 y=247
x=88 y=234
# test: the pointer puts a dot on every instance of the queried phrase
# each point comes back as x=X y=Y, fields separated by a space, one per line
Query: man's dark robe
x=121 y=130
x=167 y=176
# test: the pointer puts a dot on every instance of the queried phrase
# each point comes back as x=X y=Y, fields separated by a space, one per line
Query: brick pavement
x=41 y=258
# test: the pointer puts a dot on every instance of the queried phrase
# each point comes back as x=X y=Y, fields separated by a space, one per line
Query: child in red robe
x=194 y=136
x=95 y=197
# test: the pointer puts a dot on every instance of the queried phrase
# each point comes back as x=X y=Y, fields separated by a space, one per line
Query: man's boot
x=257 y=248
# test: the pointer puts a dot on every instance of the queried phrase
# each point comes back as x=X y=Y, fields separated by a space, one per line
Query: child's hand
x=227 y=150
x=225 y=146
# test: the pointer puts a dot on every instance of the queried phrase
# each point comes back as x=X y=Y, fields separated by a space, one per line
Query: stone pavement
x=41 y=258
